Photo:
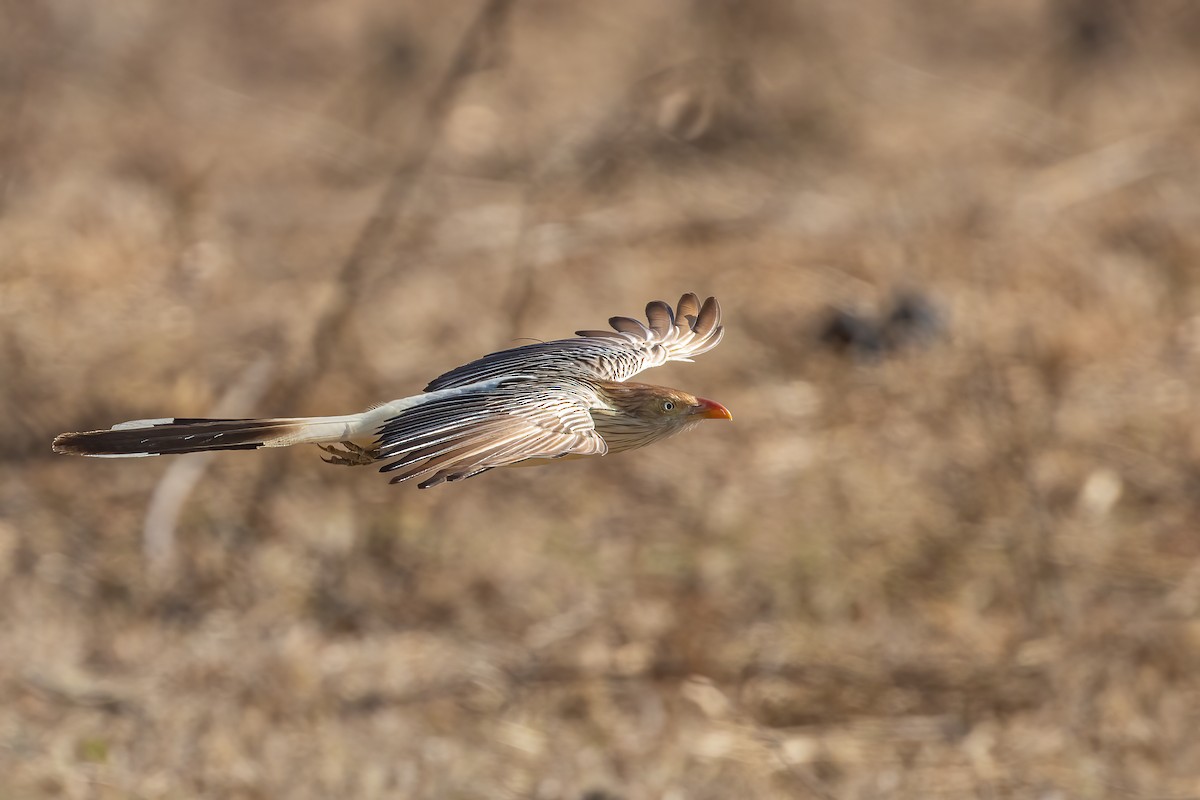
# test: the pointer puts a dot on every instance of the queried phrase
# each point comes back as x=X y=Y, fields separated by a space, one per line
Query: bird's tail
x=152 y=437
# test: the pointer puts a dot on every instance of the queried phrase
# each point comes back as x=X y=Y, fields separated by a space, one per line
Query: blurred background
x=950 y=546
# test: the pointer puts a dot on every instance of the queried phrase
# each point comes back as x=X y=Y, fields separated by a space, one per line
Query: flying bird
x=525 y=406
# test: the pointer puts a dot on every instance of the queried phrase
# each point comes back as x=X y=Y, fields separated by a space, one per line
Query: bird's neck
x=622 y=431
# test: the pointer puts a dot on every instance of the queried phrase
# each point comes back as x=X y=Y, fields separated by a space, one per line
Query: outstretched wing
x=490 y=425
x=616 y=355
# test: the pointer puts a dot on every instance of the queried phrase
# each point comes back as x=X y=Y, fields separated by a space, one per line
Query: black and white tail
x=152 y=437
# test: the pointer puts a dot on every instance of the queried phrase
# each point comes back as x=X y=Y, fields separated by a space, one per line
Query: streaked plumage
x=569 y=397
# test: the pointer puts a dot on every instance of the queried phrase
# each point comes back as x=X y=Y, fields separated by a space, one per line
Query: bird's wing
x=488 y=425
x=617 y=355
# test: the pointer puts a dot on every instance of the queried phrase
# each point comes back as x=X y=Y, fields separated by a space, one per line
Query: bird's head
x=641 y=414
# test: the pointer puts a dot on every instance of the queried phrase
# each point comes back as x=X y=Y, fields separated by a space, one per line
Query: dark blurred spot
x=1091 y=28
x=366 y=703
x=911 y=318
x=600 y=794
x=827 y=770
x=334 y=610
x=400 y=55
x=846 y=330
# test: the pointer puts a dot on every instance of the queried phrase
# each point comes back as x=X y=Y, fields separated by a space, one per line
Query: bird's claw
x=349 y=454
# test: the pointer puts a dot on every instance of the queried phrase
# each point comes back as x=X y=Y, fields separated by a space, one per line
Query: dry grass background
x=967 y=568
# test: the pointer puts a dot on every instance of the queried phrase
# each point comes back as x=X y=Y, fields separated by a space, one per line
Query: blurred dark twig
x=470 y=57
x=329 y=340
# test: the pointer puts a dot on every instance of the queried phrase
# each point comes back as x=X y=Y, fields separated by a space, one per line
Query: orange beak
x=709 y=409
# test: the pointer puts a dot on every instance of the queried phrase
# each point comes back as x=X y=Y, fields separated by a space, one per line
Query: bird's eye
x=668 y=405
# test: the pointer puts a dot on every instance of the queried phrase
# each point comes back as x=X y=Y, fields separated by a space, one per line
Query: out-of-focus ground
x=964 y=567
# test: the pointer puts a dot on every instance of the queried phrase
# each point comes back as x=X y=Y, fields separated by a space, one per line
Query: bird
x=525 y=406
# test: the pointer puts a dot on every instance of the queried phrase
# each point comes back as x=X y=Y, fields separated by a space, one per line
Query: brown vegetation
x=964 y=567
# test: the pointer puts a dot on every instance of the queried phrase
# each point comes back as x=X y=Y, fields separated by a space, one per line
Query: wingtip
x=689 y=306
x=708 y=318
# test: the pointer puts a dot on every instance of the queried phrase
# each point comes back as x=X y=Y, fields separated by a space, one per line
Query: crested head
x=640 y=414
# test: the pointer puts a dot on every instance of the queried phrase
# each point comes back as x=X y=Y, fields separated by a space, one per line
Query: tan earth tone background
x=964 y=566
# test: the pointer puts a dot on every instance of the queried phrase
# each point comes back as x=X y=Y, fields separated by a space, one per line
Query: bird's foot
x=349 y=454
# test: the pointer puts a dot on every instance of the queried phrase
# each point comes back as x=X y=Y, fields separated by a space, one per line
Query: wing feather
x=689 y=306
x=629 y=325
x=708 y=318
x=692 y=329
x=488 y=425
x=660 y=316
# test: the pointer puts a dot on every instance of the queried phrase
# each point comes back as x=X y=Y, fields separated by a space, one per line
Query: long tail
x=152 y=437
